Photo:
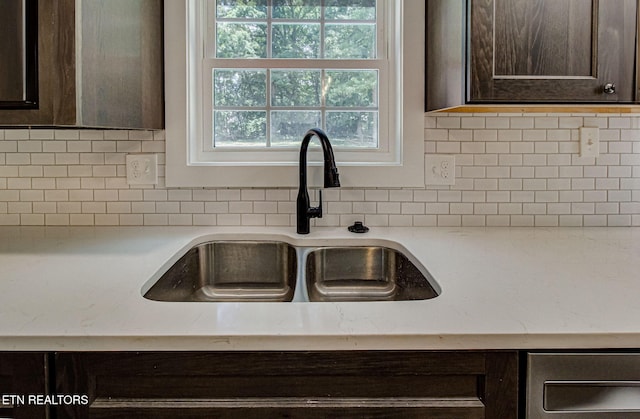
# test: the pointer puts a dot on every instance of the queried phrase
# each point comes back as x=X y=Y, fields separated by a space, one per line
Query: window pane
x=239 y=87
x=353 y=129
x=295 y=87
x=296 y=9
x=350 y=41
x=288 y=127
x=350 y=9
x=253 y=9
x=292 y=40
x=239 y=128
x=241 y=40
x=353 y=88
x=343 y=100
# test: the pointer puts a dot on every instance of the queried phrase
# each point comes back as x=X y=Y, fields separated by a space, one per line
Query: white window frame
x=207 y=154
x=401 y=164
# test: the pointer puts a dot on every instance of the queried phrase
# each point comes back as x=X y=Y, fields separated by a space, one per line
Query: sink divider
x=301 y=295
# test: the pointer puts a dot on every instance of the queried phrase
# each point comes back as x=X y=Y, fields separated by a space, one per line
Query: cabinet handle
x=609 y=88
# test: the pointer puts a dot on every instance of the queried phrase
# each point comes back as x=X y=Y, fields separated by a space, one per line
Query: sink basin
x=367 y=273
x=247 y=271
x=230 y=271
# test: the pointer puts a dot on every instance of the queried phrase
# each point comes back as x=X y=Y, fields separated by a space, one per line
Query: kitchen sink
x=275 y=271
x=230 y=271
x=368 y=273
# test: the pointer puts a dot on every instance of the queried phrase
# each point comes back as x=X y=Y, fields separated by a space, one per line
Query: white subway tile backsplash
x=620 y=122
x=472 y=147
x=377 y=195
x=351 y=195
x=473 y=122
x=618 y=196
x=522 y=172
x=253 y=220
x=448 y=147
x=75 y=196
x=474 y=220
x=365 y=208
x=462 y=135
x=510 y=160
x=68 y=207
x=436 y=208
x=510 y=135
x=547 y=147
x=216 y=207
x=497 y=122
x=546 y=122
x=340 y=207
x=44 y=207
x=388 y=208
x=448 y=122
x=570 y=122
x=252 y=195
x=512 y=170
x=168 y=207
x=460 y=208
x=16 y=134
x=521 y=122
x=522 y=147
x=559 y=208
x=488 y=135
x=534 y=135
x=270 y=207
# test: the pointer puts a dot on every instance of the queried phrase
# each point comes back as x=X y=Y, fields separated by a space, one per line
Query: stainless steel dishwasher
x=583 y=385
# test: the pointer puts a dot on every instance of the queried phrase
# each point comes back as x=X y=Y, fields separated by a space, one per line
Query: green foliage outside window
x=344 y=102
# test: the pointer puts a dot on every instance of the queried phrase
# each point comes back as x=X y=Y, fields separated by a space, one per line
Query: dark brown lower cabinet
x=23 y=375
x=350 y=384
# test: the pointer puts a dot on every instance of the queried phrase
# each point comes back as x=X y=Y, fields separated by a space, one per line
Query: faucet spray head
x=331 y=177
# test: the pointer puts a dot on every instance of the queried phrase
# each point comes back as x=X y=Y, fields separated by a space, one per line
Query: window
x=281 y=67
x=275 y=68
x=247 y=78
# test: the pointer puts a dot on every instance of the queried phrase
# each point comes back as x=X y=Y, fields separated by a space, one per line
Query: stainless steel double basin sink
x=245 y=271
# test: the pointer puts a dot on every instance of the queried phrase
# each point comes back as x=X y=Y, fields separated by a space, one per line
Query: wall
x=512 y=170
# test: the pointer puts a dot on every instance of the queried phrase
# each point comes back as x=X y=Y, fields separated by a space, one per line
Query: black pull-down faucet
x=304 y=211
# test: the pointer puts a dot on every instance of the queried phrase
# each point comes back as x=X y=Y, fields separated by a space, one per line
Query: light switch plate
x=142 y=169
x=589 y=142
x=440 y=169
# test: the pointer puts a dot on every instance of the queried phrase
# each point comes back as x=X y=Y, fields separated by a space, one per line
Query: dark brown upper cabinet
x=40 y=93
x=531 y=51
x=552 y=51
x=18 y=49
x=87 y=63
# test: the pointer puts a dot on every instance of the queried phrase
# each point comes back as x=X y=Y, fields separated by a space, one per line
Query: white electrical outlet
x=589 y=142
x=142 y=169
x=440 y=169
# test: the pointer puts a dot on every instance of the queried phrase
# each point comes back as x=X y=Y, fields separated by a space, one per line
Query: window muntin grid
x=257 y=102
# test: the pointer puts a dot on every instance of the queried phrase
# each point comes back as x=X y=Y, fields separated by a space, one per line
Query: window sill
x=287 y=176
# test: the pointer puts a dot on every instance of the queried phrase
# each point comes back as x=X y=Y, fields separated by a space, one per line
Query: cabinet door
x=552 y=51
x=108 y=74
x=18 y=52
x=120 y=68
x=21 y=375
x=290 y=384
x=48 y=94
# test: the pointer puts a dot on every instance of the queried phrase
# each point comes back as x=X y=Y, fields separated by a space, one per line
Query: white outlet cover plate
x=589 y=142
x=440 y=169
x=142 y=169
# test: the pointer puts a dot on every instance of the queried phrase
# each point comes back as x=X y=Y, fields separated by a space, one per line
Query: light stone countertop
x=80 y=288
